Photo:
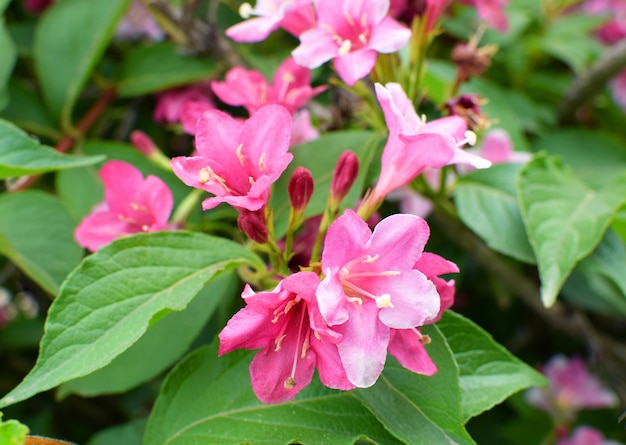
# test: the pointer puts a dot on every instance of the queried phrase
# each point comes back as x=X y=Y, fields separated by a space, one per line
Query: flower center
x=355 y=281
x=353 y=35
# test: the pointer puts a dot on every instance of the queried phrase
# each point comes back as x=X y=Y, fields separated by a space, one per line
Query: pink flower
x=138 y=22
x=371 y=287
x=184 y=105
x=615 y=10
x=585 y=435
x=351 y=32
x=131 y=205
x=287 y=324
x=238 y=162
x=571 y=389
x=295 y=16
x=496 y=147
x=407 y=345
x=303 y=130
x=291 y=88
x=491 y=12
x=414 y=145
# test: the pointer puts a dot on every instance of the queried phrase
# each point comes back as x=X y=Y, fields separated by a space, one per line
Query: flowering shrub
x=317 y=222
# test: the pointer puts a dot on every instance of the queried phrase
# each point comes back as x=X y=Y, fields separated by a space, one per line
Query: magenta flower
x=492 y=13
x=287 y=324
x=571 y=389
x=238 y=162
x=131 y=205
x=586 y=435
x=303 y=130
x=351 y=32
x=614 y=29
x=618 y=89
x=294 y=16
x=36 y=6
x=291 y=88
x=184 y=105
x=372 y=287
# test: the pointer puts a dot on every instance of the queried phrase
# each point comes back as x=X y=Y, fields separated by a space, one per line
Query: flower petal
x=410 y=352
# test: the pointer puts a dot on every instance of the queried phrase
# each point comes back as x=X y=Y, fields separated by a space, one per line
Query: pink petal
x=452 y=125
x=190 y=112
x=329 y=365
x=254 y=30
x=242 y=88
x=389 y=36
x=248 y=329
x=398 y=240
x=355 y=65
x=433 y=265
x=410 y=352
x=155 y=196
x=217 y=134
x=345 y=240
x=99 y=229
x=331 y=299
x=119 y=179
x=316 y=47
x=465 y=157
x=299 y=19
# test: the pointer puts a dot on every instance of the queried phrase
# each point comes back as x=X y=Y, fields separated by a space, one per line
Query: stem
x=593 y=80
x=185 y=208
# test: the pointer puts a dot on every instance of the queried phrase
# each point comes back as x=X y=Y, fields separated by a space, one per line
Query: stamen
x=278 y=342
x=470 y=137
x=348 y=18
x=344 y=49
x=245 y=10
x=290 y=382
x=364 y=20
x=137 y=207
x=262 y=161
x=240 y=155
x=384 y=301
x=370 y=259
x=363 y=38
x=206 y=174
x=145 y=228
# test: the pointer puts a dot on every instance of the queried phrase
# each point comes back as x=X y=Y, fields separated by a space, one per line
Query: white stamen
x=345 y=47
x=384 y=301
x=470 y=137
x=245 y=10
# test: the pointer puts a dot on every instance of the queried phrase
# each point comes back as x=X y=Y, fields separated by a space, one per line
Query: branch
x=593 y=80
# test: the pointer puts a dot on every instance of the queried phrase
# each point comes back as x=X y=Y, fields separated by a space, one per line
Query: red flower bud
x=300 y=188
x=142 y=142
x=253 y=225
x=345 y=174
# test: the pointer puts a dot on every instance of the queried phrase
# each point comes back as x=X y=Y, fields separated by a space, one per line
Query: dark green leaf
x=207 y=399
x=153 y=68
x=112 y=298
x=489 y=373
x=417 y=409
x=487 y=203
x=8 y=55
x=157 y=348
x=22 y=155
x=565 y=218
x=127 y=434
x=70 y=39
x=37 y=234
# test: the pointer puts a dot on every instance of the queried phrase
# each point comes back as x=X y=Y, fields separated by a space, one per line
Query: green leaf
x=599 y=281
x=22 y=155
x=26 y=110
x=320 y=157
x=64 y=60
x=111 y=299
x=207 y=399
x=127 y=434
x=153 y=68
x=487 y=203
x=157 y=348
x=565 y=218
x=489 y=373
x=417 y=409
x=37 y=234
x=8 y=56
x=596 y=157
x=12 y=432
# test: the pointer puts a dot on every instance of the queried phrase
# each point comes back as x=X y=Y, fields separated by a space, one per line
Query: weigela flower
x=287 y=324
x=492 y=13
x=371 y=287
x=291 y=88
x=571 y=389
x=414 y=145
x=37 y=5
x=131 y=205
x=184 y=105
x=238 y=162
x=351 y=32
x=294 y=16
x=614 y=29
x=586 y=435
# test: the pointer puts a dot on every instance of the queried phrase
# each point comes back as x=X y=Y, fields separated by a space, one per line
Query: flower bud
x=345 y=174
x=467 y=106
x=142 y=142
x=300 y=188
x=471 y=60
x=253 y=225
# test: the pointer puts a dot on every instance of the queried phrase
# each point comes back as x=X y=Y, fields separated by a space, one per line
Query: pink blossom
x=492 y=13
x=131 y=205
x=287 y=324
x=295 y=16
x=291 y=88
x=496 y=147
x=614 y=29
x=414 y=145
x=585 y=435
x=138 y=22
x=407 y=345
x=571 y=388
x=184 y=105
x=371 y=287
x=303 y=130
x=351 y=32
x=238 y=162
x=618 y=89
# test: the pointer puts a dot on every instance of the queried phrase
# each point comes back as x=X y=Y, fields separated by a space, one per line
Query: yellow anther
x=345 y=47
x=245 y=10
x=384 y=301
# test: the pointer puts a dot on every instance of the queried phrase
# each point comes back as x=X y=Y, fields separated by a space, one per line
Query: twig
x=591 y=81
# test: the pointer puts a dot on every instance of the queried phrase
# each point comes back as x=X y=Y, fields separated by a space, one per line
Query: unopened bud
x=345 y=174
x=253 y=225
x=300 y=188
x=142 y=142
